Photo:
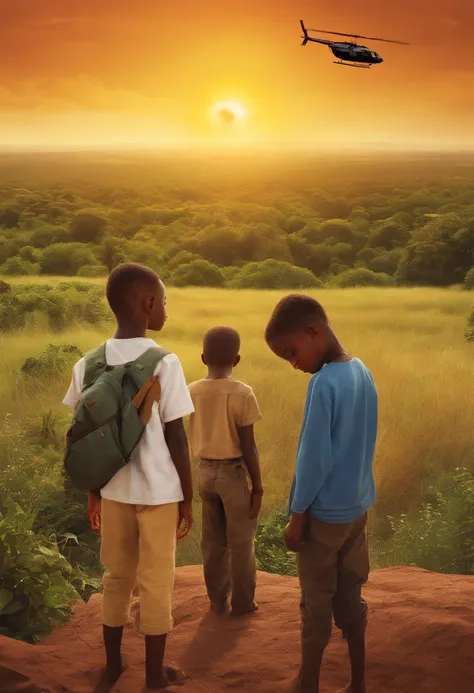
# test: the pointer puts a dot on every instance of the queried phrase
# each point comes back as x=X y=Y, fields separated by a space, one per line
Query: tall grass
x=411 y=339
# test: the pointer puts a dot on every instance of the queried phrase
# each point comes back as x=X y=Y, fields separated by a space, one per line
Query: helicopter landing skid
x=361 y=67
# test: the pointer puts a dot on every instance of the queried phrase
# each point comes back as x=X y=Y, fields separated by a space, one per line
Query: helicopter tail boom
x=305 y=36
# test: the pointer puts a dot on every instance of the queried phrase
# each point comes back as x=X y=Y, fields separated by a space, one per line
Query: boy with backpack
x=333 y=486
x=128 y=441
x=221 y=433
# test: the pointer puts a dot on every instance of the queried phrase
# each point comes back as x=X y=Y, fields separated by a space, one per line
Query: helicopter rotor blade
x=357 y=36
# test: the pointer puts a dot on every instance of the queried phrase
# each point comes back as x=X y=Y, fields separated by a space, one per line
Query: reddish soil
x=420 y=640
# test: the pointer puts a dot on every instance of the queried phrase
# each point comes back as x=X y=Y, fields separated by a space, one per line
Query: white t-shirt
x=150 y=478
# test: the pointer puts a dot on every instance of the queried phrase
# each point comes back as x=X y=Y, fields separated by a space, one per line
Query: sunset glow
x=234 y=109
x=89 y=74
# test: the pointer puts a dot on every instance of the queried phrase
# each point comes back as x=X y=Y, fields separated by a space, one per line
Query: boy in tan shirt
x=222 y=439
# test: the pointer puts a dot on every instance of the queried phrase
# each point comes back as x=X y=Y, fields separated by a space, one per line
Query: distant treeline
x=268 y=222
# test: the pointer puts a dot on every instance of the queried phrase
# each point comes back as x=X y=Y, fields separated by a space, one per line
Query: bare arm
x=251 y=459
x=177 y=443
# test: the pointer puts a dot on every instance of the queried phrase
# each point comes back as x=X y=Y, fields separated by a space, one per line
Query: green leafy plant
x=439 y=536
x=271 y=552
x=35 y=588
x=470 y=328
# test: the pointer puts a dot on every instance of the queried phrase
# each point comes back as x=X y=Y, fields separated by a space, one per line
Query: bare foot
x=113 y=673
x=246 y=610
x=350 y=688
x=171 y=677
x=108 y=679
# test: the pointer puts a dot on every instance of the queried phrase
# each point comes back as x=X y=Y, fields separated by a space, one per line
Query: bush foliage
x=410 y=219
x=36 y=591
x=440 y=535
x=62 y=305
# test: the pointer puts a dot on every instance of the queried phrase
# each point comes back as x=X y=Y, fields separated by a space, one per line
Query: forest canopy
x=216 y=221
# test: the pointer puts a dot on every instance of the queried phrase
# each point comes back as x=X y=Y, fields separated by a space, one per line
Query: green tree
x=338 y=229
x=294 y=224
x=87 y=226
x=9 y=217
x=331 y=207
x=440 y=253
x=148 y=254
x=469 y=279
x=65 y=259
x=389 y=234
x=272 y=274
x=111 y=253
x=197 y=273
x=387 y=261
x=362 y=277
x=29 y=253
x=220 y=245
x=19 y=266
x=184 y=257
x=47 y=235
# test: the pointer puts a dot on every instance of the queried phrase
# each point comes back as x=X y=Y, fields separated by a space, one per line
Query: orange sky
x=147 y=73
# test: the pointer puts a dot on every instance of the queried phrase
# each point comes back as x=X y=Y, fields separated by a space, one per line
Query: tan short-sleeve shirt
x=221 y=407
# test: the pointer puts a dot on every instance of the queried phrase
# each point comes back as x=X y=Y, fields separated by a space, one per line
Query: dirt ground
x=420 y=640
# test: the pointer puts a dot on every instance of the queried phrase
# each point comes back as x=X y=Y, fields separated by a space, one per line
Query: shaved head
x=221 y=346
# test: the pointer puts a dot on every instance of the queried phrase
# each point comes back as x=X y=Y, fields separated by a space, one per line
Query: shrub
x=48 y=235
x=387 y=262
x=92 y=271
x=440 y=535
x=17 y=266
x=64 y=512
x=273 y=274
x=197 y=273
x=469 y=279
x=10 y=218
x=362 y=277
x=470 y=328
x=29 y=253
x=271 y=552
x=54 y=360
x=35 y=588
x=184 y=257
x=66 y=259
x=63 y=305
x=87 y=226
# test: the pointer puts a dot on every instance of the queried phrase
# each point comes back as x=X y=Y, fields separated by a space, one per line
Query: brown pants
x=227 y=533
x=139 y=541
x=333 y=566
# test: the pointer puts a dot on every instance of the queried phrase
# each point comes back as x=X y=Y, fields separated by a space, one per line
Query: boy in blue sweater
x=333 y=486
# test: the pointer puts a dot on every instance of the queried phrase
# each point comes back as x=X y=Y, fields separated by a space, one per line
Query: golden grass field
x=411 y=339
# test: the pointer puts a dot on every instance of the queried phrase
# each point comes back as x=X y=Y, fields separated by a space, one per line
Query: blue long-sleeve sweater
x=333 y=479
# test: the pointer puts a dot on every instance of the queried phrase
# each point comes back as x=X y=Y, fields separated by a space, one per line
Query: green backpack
x=106 y=427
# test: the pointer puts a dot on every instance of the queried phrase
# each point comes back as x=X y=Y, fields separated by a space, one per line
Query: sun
x=228 y=112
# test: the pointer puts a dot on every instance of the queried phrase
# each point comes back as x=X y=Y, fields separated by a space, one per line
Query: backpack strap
x=144 y=366
x=96 y=363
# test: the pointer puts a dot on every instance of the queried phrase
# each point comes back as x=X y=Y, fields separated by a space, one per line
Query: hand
x=93 y=511
x=185 y=520
x=255 y=506
x=293 y=534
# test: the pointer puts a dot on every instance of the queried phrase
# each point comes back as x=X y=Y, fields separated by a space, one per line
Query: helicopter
x=349 y=53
